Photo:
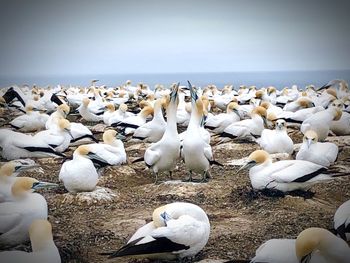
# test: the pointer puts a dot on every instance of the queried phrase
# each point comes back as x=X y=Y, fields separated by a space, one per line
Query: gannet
x=320 y=122
x=31 y=121
x=17 y=145
x=300 y=103
x=44 y=249
x=110 y=152
x=342 y=221
x=61 y=112
x=247 y=128
x=178 y=230
x=285 y=176
x=322 y=153
x=16 y=216
x=152 y=131
x=58 y=138
x=218 y=123
x=320 y=245
x=276 y=251
x=120 y=114
x=300 y=115
x=341 y=126
x=86 y=114
x=110 y=111
x=277 y=140
x=130 y=124
x=197 y=153
x=79 y=174
x=162 y=155
x=8 y=173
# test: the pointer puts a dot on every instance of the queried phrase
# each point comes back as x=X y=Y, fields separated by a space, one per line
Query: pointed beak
x=43 y=185
x=248 y=165
x=69 y=132
x=265 y=121
x=309 y=141
x=194 y=95
x=120 y=137
x=20 y=168
x=174 y=92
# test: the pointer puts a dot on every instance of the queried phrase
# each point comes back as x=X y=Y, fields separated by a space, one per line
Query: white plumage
x=322 y=153
x=16 y=216
x=285 y=176
x=276 y=141
x=79 y=174
x=182 y=229
x=342 y=221
x=44 y=249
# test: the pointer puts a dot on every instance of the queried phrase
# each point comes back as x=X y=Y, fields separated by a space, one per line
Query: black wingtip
x=213 y=162
x=54 y=98
x=141 y=159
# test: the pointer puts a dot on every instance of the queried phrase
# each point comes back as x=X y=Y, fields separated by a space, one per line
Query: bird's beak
x=24 y=167
x=248 y=165
x=120 y=136
x=324 y=87
x=166 y=217
x=265 y=121
x=69 y=132
x=174 y=92
x=309 y=141
x=306 y=258
x=194 y=95
x=235 y=111
x=43 y=185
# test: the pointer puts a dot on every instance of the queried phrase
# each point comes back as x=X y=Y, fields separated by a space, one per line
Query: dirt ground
x=240 y=218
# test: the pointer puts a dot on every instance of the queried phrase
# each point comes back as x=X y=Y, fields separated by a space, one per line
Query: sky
x=46 y=37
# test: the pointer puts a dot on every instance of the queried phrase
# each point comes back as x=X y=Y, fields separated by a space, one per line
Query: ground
x=240 y=218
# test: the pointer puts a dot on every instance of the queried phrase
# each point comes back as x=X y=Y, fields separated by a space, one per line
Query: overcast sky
x=86 y=37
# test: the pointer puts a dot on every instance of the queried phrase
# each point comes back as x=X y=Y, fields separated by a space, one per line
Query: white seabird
x=322 y=153
x=320 y=122
x=86 y=114
x=153 y=130
x=197 y=152
x=16 y=145
x=320 y=245
x=162 y=155
x=58 y=138
x=31 y=121
x=178 y=230
x=276 y=141
x=285 y=176
x=44 y=249
x=79 y=174
x=218 y=123
x=16 y=216
x=342 y=221
x=8 y=173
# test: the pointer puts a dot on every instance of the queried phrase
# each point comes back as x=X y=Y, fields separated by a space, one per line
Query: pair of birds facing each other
x=196 y=151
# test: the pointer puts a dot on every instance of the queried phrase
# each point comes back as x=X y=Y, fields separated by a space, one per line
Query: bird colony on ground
x=37 y=123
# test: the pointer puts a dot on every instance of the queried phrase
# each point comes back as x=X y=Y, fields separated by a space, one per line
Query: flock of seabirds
x=39 y=128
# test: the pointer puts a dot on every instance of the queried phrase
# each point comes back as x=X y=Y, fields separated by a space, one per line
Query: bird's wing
x=297 y=171
x=208 y=152
x=151 y=156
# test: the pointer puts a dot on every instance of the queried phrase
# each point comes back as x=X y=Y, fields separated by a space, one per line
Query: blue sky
x=87 y=37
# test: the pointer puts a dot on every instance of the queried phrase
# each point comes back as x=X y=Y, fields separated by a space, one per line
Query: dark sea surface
x=279 y=79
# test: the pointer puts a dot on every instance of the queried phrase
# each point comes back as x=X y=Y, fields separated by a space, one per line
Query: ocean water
x=279 y=79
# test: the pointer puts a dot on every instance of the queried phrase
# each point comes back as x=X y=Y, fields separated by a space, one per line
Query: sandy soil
x=240 y=218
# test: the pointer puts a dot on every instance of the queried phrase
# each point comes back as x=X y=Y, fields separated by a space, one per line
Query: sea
x=279 y=79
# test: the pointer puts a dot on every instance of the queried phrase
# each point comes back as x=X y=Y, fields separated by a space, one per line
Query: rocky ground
x=88 y=224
